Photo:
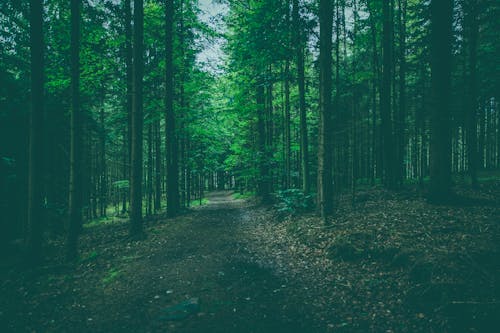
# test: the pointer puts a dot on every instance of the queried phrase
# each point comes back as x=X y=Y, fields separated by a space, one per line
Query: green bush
x=293 y=201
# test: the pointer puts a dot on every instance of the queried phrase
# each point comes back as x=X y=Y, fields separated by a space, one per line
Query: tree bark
x=325 y=136
x=128 y=104
x=36 y=149
x=304 y=144
x=440 y=152
x=76 y=160
x=472 y=150
x=136 y=228
x=173 y=198
x=385 y=97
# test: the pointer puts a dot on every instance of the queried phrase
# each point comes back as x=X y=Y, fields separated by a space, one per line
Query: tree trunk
x=36 y=149
x=103 y=184
x=157 y=205
x=263 y=180
x=173 y=199
x=76 y=161
x=137 y=123
x=385 y=97
x=440 y=152
x=325 y=136
x=400 y=165
x=129 y=84
x=472 y=153
x=304 y=144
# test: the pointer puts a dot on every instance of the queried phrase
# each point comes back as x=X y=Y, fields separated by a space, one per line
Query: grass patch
x=196 y=203
x=244 y=195
x=101 y=221
x=112 y=275
x=90 y=256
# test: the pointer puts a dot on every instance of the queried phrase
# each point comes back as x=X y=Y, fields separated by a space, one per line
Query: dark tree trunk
x=440 y=152
x=36 y=149
x=173 y=199
x=157 y=205
x=76 y=160
x=128 y=104
x=401 y=139
x=304 y=144
x=136 y=228
x=103 y=183
x=263 y=189
x=472 y=150
x=385 y=97
x=325 y=179
x=149 y=177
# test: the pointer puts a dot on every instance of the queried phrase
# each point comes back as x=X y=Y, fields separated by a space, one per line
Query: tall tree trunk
x=150 y=170
x=472 y=151
x=137 y=123
x=263 y=180
x=128 y=104
x=375 y=84
x=36 y=153
x=385 y=96
x=103 y=184
x=400 y=165
x=287 y=130
x=76 y=160
x=440 y=152
x=157 y=205
x=173 y=199
x=325 y=179
x=304 y=144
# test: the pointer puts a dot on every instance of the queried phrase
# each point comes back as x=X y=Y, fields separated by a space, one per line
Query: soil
x=390 y=263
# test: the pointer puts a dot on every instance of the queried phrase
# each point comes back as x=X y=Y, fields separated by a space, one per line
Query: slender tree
x=35 y=181
x=385 y=96
x=472 y=150
x=76 y=156
x=325 y=135
x=299 y=49
x=137 y=123
x=400 y=126
x=440 y=145
x=128 y=102
x=173 y=198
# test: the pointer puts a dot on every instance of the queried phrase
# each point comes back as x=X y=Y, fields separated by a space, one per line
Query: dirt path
x=392 y=264
x=141 y=286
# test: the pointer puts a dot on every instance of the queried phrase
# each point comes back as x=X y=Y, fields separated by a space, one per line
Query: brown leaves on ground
x=393 y=262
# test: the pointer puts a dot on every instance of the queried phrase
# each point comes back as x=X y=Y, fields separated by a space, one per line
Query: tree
x=299 y=48
x=173 y=198
x=36 y=174
x=137 y=123
x=472 y=150
x=76 y=161
x=440 y=149
x=127 y=137
x=325 y=135
x=386 y=94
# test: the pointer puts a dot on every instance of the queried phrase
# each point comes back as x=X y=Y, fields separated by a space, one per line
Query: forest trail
x=391 y=264
x=200 y=258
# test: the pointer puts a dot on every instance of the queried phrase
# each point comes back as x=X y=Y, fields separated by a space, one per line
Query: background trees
x=352 y=81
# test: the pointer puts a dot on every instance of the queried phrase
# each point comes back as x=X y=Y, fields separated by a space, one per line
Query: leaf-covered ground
x=390 y=263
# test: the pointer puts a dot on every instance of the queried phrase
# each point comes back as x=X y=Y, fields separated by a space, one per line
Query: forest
x=249 y=166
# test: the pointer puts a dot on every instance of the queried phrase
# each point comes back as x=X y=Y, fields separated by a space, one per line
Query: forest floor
x=390 y=263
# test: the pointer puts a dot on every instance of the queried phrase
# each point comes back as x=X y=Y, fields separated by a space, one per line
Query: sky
x=212 y=57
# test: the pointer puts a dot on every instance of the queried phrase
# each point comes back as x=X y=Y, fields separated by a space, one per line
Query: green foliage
x=122 y=184
x=111 y=275
x=293 y=201
x=90 y=256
